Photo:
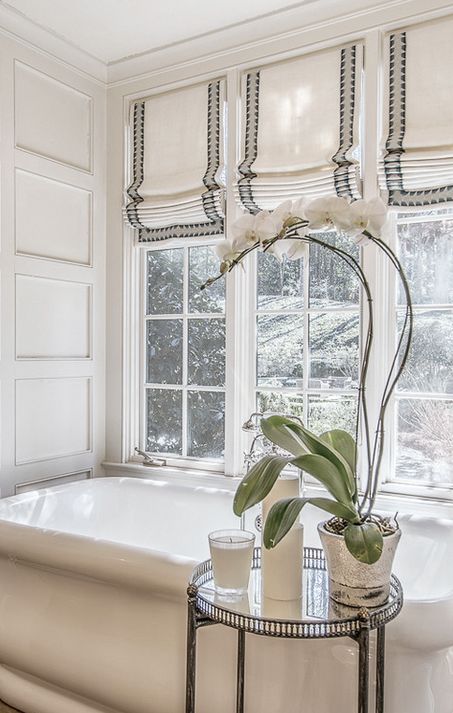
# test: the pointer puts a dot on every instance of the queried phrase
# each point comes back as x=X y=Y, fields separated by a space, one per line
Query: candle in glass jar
x=231 y=556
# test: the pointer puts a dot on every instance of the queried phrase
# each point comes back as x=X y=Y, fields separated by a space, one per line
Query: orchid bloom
x=329 y=212
x=250 y=229
x=281 y=214
x=368 y=215
x=226 y=251
x=291 y=248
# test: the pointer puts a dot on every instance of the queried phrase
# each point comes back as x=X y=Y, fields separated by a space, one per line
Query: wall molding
x=263 y=35
x=19 y=28
x=256 y=36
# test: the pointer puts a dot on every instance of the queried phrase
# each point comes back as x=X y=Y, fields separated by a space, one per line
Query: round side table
x=315 y=616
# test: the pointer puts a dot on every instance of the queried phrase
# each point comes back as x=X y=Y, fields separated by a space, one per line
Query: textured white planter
x=352 y=582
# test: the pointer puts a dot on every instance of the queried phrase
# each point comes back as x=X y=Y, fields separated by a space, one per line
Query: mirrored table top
x=314 y=615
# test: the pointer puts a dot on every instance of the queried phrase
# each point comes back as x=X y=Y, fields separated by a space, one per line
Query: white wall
x=52 y=268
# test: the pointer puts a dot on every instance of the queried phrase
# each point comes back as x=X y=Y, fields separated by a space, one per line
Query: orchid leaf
x=345 y=445
x=334 y=480
x=284 y=513
x=364 y=541
x=319 y=447
x=337 y=509
x=282 y=516
x=258 y=482
x=276 y=430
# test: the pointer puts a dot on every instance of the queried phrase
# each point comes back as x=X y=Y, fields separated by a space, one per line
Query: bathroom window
x=183 y=355
x=307 y=338
x=423 y=417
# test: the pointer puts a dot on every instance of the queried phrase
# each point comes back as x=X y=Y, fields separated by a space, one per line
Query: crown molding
x=299 y=25
x=253 y=37
x=18 y=27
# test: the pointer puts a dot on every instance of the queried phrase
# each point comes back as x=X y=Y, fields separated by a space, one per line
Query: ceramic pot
x=355 y=583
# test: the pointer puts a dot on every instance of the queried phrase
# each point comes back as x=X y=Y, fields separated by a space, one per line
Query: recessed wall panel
x=53 y=319
x=53 y=219
x=52 y=481
x=53 y=418
x=52 y=119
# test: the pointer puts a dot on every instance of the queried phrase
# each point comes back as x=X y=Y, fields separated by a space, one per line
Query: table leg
x=191 y=659
x=240 y=676
x=380 y=669
x=364 y=665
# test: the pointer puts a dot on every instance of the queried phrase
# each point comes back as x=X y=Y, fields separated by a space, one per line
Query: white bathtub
x=93 y=610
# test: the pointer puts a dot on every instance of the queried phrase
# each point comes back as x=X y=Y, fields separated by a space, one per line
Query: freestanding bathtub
x=93 y=610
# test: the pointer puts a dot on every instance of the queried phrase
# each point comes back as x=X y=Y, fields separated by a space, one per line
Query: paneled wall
x=52 y=270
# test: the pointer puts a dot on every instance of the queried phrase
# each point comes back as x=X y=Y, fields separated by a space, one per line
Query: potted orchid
x=359 y=544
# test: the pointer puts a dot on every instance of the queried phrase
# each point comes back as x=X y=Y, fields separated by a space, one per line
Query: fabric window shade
x=301 y=129
x=416 y=168
x=177 y=172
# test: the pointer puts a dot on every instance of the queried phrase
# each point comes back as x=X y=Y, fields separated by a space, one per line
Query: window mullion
x=238 y=309
x=306 y=335
x=185 y=349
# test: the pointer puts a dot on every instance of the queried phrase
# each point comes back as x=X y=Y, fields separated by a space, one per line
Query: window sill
x=386 y=502
x=181 y=476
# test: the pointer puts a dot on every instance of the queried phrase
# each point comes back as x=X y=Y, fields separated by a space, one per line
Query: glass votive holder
x=231 y=556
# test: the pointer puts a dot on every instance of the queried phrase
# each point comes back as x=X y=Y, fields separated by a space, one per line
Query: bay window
x=285 y=335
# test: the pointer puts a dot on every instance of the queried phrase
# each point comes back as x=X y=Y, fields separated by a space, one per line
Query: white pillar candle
x=231 y=555
x=279 y=609
x=282 y=567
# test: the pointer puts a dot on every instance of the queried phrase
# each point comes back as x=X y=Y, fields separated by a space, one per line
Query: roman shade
x=301 y=129
x=176 y=171
x=416 y=166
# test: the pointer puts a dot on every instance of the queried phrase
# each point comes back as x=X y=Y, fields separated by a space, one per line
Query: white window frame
x=240 y=308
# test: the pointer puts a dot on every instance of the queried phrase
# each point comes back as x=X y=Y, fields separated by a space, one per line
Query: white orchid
x=291 y=248
x=367 y=215
x=281 y=214
x=329 y=212
x=226 y=251
x=250 y=229
x=299 y=208
x=288 y=210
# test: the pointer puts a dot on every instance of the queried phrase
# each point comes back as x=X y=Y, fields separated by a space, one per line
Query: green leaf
x=319 y=447
x=276 y=430
x=282 y=516
x=284 y=513
x=343 y=443
x=334 y=480
x=337 y=509
x=364 y=542
x=258 y=482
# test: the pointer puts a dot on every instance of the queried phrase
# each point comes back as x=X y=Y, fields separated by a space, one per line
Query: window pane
x=430 y=363
x=279 y=284
x=164 y=421
x=164 y=351
x=205 y=424
x=332 y=411
x=334 y=350
x=426 y=253
x=425 y=445
x=203 y=264
x=280 y=345
x=332 y=282
x=164 y=282
x=207 y=352
x=281 y=403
